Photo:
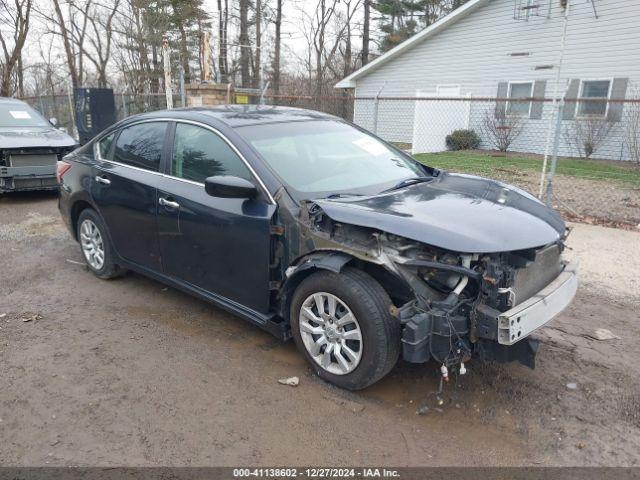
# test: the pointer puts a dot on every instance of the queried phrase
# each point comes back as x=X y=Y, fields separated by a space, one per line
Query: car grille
x=538 y=274
x=43 y=182
x=32 y=160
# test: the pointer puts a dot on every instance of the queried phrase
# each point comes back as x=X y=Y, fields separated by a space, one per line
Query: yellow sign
x=244 y=99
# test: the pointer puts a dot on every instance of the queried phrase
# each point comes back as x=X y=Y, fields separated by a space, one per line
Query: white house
x=507 y=49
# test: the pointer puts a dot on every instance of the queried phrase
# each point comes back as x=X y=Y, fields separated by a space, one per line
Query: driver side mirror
x=226 y=186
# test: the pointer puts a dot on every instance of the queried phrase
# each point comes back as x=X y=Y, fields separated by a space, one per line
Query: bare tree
x=101 y=40
x=586 y=135
x=325 y=43
x=67 y=42
x=72 y=29
x=502 y=129
x=16 y=16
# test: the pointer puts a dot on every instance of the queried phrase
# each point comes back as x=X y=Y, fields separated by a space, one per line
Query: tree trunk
x=319 y=47
x=20 y=74
x=346 y=67
x=244 y=43
x=155 y=75
x=184 y=54
x=66 y=42
x=276 y=53
x=222 y=45
x=226 y=38
x=257 y=78
x=102 y=77
x=365 y=32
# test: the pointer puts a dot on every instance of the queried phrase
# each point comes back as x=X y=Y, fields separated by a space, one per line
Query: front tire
x=95 y=245
x=342 y=325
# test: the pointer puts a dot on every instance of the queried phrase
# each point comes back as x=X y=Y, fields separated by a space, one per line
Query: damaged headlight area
x=436 y=325
x=463 y=303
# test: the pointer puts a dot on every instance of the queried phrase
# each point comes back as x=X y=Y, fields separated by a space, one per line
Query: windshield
x=18 y=114
x=325 y=157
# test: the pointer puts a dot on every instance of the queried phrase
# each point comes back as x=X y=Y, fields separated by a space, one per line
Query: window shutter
x=501 y=106
x=539 y=88
x=573 y=91
x=618 y=92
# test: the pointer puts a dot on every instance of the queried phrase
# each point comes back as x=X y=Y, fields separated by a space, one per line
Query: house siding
x=475 y=53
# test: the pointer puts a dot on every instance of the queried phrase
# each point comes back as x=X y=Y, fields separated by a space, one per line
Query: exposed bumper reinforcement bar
x=518 y=322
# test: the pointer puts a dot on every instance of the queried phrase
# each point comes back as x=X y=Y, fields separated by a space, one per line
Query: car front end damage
x=453 y=306
x=32 y=168
x=487 y=306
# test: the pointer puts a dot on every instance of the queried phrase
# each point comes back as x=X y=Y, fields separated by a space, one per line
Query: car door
x=221 y=245
x=124 y=187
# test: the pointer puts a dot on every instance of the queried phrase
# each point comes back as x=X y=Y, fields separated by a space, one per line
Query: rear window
x=141 y=145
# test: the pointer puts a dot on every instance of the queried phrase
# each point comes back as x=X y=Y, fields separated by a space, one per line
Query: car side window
x=199 y=153
x=104 y=145
x=141 y=145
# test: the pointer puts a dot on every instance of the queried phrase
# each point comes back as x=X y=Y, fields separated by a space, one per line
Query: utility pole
x=558 y=106
x=167 y=73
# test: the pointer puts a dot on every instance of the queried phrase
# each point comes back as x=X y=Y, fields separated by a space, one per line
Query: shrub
x=501 y=129
x=588 y=134
x=462 y=140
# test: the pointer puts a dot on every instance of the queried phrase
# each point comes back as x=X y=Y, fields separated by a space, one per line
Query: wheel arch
x=336 y=261
x=76 y=209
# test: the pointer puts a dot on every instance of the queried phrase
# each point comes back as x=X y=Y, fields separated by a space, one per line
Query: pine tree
x=402 y=19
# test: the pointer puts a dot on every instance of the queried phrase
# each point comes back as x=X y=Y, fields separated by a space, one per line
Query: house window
x=596 y=89
x=516 y=91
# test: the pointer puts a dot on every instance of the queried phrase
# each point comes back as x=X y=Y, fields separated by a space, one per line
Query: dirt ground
x=129 y=372
x=590 y=199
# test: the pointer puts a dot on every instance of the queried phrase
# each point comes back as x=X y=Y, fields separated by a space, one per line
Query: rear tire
x=95 y=245
x=346 y=315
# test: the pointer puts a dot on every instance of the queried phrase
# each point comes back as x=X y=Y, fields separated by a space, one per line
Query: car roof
x=242 y=115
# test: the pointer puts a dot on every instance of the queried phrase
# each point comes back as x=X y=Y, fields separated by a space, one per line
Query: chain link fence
x=60 y=106
x=597 y=175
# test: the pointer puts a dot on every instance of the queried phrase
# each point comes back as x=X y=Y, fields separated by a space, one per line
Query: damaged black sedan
x=315 y=229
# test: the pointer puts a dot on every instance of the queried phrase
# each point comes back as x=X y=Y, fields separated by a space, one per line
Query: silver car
x=30 y=147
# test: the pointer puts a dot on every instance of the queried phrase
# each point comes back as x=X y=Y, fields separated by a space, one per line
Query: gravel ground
x=129 y=372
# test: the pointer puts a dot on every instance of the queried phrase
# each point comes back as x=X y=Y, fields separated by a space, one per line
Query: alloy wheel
x=330 y=333
x=92 y=244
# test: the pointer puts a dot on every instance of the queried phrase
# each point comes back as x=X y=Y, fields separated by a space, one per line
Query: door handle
x=168 y=203
x=103 y=180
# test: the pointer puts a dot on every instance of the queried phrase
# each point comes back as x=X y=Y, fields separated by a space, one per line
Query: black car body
x=452 y=266
x=30 y=146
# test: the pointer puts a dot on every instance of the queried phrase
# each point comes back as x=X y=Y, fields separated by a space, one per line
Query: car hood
x=34 y=137
x=462 y=213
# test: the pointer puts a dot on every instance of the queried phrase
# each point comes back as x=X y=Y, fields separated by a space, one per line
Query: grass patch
x=482 y=163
